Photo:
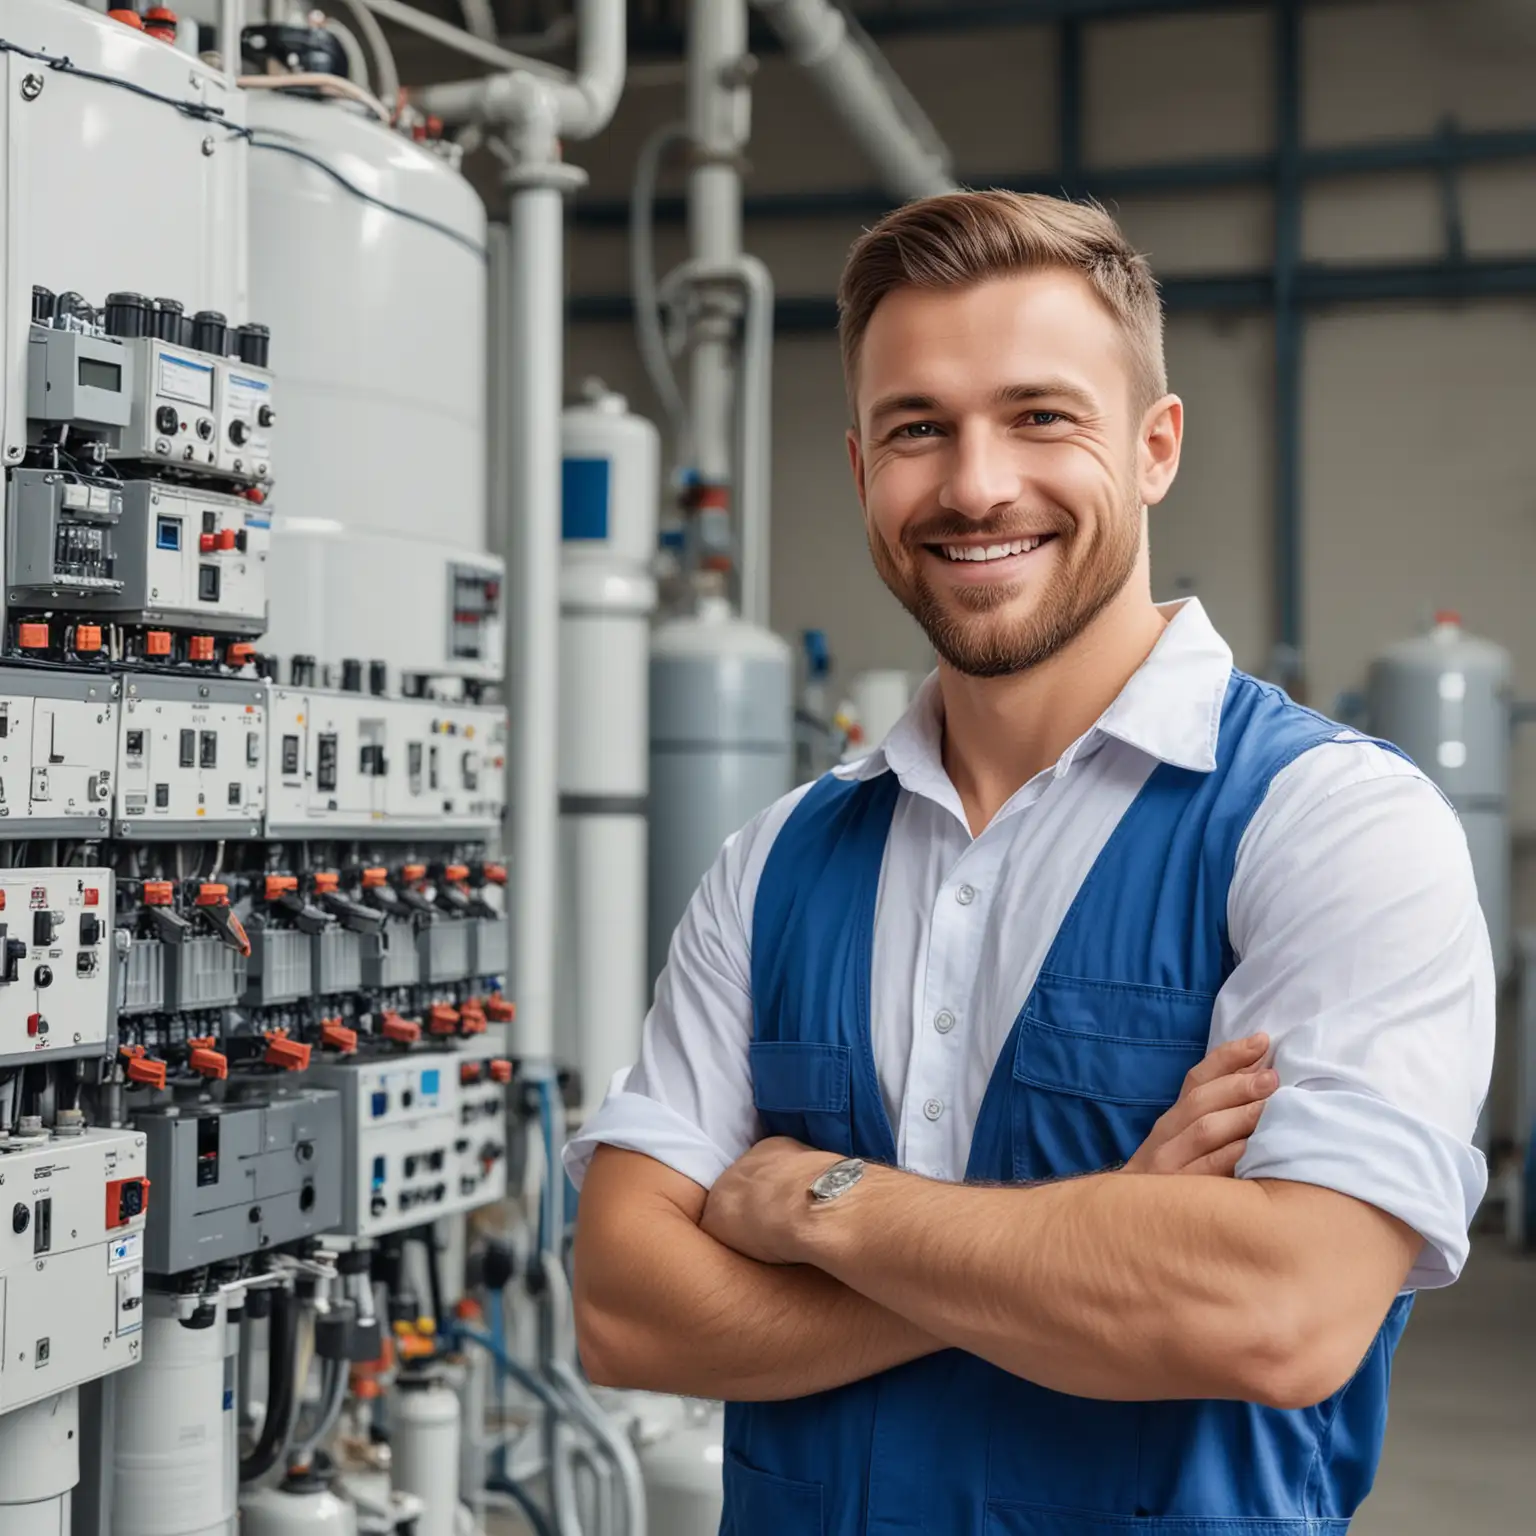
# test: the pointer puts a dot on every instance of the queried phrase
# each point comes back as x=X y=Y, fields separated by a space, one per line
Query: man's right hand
x=1207 y=1130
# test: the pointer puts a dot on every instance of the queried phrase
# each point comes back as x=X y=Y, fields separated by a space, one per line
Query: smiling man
x=886 y=1174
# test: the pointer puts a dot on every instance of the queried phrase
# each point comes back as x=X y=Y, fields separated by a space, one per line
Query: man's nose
x=984 y=472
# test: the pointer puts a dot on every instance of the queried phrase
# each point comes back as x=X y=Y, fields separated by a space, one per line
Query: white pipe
x=583 y=103
x=719 y=107
x=754 y=497
x=903 y=147
x=479 y=19
x=357 y=59
x=386 y=77
x=460 y=41
x=534 y=323
x=231 y=23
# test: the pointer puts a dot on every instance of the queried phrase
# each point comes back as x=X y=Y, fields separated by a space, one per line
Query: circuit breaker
x=56 y=994
x=344 y=760
x=58 y=752
x=239 y=1177
x=191 y=758
x=424 y=1136
x=72 y=1216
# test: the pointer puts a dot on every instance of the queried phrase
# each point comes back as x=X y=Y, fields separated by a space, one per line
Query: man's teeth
x=992 y=551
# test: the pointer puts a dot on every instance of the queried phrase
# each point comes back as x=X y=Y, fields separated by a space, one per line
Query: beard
x=971 y=627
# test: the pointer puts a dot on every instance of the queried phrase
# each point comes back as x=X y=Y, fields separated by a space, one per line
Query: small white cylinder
x=40 y=1465
x=424 y=1443
x=880 y=699
x=175 y=1460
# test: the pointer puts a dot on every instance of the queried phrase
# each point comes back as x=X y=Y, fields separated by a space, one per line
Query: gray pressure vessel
x=1443 y=697
x=722 y=748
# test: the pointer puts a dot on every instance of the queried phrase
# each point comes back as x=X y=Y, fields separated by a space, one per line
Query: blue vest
x=1121 y=1010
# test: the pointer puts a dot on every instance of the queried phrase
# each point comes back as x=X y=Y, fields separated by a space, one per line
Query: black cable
x=531 y=1511
x=281 y=1331
x=202 y=112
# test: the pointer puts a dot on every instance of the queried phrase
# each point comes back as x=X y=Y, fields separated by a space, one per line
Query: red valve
x=457 y=873
x=326 y=882
x=499 y=1010
x=143 y=1069
x=374 y=877
x=496 y=874
x=226 y=539
x=239 y=654
x=501 y=1070
x=200 y=648
x=32 y=637
x=157 y=893
x=87 y=638
x=280 y=885
x=211 y=894
x=206 y=543
x=157 y=642
x=469 y=1072
x=442 y=1019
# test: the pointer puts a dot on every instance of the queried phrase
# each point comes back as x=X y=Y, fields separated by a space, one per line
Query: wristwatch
x=838 y=1179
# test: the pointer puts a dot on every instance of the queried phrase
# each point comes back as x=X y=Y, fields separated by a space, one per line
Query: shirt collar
x=1170 y=709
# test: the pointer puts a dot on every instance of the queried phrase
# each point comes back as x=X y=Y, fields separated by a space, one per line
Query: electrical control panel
x=424 y=1136
x=236 y=1178
x=72 y=1216
x=198 y=410
x=191 y=757
x=56 y=996
x=78 y=379
x=58 y=753
x=351 y=760
x=137 y=551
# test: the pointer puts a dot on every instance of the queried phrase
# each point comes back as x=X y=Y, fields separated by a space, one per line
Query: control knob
x=166 y=420
x=239 y=432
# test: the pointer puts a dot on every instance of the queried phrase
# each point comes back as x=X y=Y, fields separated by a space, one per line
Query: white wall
x=1419 y=476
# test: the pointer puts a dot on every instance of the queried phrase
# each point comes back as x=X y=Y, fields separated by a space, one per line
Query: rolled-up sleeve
x=1363 y=954
x=687 y=1102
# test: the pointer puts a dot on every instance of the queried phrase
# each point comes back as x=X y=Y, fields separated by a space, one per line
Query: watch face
x=838 y=1178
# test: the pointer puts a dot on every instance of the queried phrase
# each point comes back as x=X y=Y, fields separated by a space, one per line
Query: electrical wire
x=201 y=112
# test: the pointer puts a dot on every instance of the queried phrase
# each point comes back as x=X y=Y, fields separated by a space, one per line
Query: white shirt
x=1361 y=951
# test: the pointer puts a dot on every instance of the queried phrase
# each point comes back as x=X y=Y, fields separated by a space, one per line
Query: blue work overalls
x=1121 y=1010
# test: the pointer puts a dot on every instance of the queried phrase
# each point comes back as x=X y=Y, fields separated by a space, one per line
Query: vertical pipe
x=533 y=324
x=1287 y=661
x=1069 y=105
x=718 y=105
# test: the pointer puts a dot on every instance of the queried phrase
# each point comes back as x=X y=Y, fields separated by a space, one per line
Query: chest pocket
x=801 y=1089
x=1095 y=1063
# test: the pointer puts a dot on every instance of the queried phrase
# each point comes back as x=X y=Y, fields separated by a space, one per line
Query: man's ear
x=1157 y=452
x=856 y=463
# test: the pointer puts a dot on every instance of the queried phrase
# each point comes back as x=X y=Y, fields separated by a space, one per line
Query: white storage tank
x=722 y=747
x=1443 y=697
x=86 y=163
x=368 y=251
x=609 y=470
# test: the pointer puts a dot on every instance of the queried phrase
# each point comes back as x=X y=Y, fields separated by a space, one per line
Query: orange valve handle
x=499 y=1010
x=374 y=877
x=335 y=1036
x=326 y=882
x=280 y=885
x=145 y=1072
x=442 y=1019
x=496 y=874
x=157 y=893
x=200 y=648
x=472 y=1020
x=401 y=1031
x=457 y=873
x=209 y=1063
x=413 y=872
x=287 y=1054
x=32 y=637
x=157 y=642
x=501 y=1070
x=211 y=894
x=87 y=638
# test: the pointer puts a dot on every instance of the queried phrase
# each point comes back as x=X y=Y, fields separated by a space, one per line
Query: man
x=883 y=1176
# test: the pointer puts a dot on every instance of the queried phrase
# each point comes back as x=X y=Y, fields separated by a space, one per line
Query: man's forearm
x=1125 y=1286
x=663 y=1307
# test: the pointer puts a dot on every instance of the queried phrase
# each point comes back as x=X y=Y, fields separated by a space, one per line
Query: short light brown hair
x=959 y=239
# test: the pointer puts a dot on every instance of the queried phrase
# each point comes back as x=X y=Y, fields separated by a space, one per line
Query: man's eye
x=1044 y=418
x=915 y=430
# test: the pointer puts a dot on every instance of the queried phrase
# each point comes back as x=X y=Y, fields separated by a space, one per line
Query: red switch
x=401 y=1031
x=92 y=897
x=200 y=648
x=208 y=1063
x=34 y=1024
x=226 y=538
x=206 y=542
x=501 y=1070
x=499 y=1009
x=335 y=1036
x=157 y=642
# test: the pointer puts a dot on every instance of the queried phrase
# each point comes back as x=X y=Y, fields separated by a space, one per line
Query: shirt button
x=933 y=1109
x=966 y=895
x=944 y=1021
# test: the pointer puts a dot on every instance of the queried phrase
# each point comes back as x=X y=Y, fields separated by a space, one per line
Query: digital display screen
x=95 y=374
x=179 y=379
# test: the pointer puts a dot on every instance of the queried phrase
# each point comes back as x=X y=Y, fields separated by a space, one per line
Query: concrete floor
x=1461 y=1438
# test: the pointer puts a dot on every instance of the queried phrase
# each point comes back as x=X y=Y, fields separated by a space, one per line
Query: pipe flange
x=558 y=174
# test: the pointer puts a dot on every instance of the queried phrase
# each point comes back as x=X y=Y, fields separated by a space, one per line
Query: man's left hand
x=757 y=1206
